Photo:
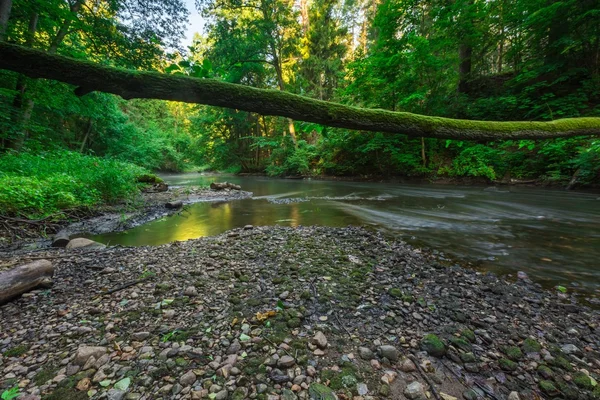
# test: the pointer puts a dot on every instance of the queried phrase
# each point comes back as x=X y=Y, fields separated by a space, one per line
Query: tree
x=130 y=84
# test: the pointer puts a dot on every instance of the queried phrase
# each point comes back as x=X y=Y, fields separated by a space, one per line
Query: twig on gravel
x=274 y=345
x=124 y=286
x=433 y=389
x=461 y=380
x=342 y=325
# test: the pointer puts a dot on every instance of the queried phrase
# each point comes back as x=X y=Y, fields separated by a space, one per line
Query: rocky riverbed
x=291 y=313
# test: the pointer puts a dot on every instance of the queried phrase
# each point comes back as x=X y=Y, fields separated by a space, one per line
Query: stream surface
x=552 y=235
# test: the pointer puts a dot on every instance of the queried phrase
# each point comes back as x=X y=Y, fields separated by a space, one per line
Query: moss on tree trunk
x=129 y=84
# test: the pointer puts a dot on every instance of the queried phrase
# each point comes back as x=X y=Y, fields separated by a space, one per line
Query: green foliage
x=38 y=185
x=10 y=394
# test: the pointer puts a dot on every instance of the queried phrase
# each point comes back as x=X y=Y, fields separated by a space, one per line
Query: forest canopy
x=472 y=60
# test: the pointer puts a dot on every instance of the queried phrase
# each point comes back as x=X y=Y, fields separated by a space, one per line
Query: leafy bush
x=37 y=185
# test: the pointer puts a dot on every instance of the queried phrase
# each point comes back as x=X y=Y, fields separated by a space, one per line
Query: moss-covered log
x=89 y=77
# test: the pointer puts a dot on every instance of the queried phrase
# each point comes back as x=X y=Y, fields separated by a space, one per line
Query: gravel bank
x=292 y=313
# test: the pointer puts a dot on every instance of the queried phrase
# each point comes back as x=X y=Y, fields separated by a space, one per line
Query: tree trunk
x=131 y=84
x=465 y=53
x=64 y=28
x=23 y=106
x=87 y=134
x=5 y=6
x=21 y=279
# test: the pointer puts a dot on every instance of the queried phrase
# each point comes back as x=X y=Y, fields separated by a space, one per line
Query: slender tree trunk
x=23 y=106
x=87 y=135
x=64 y=28
x=423 y=157
x=5 y=7
x=279 y=73
x=464 y=70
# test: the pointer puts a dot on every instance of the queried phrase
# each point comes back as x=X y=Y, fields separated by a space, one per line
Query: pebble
x=389 y=352
x=414 y=391
x=320 y=340
x=286 y=362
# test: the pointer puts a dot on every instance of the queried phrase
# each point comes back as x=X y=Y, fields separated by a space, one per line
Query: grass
x=39 y=185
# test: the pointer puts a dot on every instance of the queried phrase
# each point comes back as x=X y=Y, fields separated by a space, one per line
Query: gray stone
x=287 y=394
x=82 y=242
x=414 y=391
x=222 y=395
x=365 y=353
x=115 y=394
x=408 y=366
x=570 y=349
x=320 y=340
x=85 y=352
x=188 y=378
x=234 y=347
x=261 y=388
x=191 y=291
x=389 y=352
x=362 y=389
x=139 y=336
x=514 y=396
x=286 y=362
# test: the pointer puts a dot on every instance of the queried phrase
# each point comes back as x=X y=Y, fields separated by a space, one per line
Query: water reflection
x=552 y=235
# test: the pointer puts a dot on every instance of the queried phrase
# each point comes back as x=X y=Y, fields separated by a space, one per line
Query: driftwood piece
x=61 y=239
x=16 y=281
x=224 y=185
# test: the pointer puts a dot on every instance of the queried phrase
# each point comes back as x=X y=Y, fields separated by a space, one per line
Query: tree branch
x=131 y=84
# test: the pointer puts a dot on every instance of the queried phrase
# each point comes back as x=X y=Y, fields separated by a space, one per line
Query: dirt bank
x=292 y=313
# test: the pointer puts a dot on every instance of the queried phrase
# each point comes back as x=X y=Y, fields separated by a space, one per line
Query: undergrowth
x=39 y=185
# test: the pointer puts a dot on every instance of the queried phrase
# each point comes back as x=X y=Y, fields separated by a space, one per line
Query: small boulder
x=320 y=340
x=61 y=239
x=414 y=391
x=85 y=352
x=389 y=352
x=187 y=379
x=84 y=243
x=286 y=362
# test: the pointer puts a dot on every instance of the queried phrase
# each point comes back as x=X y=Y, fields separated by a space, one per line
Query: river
x=552 y=235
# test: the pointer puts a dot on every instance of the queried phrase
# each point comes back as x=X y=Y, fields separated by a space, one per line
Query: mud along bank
x=292 y=313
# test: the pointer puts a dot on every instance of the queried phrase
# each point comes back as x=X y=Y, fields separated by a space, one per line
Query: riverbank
x=292 y=313
x=145 y=207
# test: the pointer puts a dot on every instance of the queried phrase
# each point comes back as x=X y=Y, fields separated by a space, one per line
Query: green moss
x=507 y=365
x=294 y=322
x=235 y=300
x=433 y=345
x=46 y=373
x=548 y=387
x=562 y=362
x=253 y=302
x=468 y=358
x=244 y=278
x=514 y=353
x=460 y=343
x=181 y=362
x=395 y=292
x=16 y=351
x=531 y=346
x=278 y=279
x=305 y=295
x=318 y=391
x=468 y=334
x=596 y=392
x=66 y=394
x=545 y=372
x=583 y=381
x=384 y=390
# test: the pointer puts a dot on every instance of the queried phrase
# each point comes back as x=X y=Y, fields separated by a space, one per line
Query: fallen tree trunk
x=130 y=84
x=16 y=281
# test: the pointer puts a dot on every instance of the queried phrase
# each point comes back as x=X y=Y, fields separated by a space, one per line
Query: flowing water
x=552 y=235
